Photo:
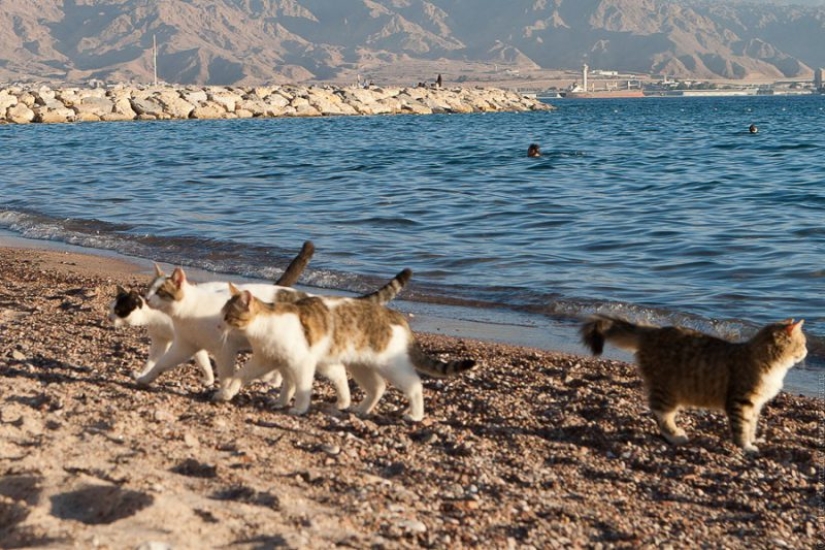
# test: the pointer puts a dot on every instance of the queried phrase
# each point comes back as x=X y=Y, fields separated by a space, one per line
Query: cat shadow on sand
x=55 y=372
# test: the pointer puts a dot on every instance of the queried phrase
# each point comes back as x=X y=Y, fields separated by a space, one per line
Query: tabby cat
x=374 y=343
x=685 y=368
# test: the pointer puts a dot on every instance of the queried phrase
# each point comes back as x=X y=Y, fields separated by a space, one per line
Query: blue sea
x=662 y=210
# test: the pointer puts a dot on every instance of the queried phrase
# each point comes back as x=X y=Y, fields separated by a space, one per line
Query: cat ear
x=178 y=277
x=233 y=290
x=158 y=271
x=246 y=298
x=793 y=327
x=121 y=290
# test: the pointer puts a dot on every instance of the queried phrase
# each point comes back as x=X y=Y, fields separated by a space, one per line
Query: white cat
x=374 y=342
x=130 y=308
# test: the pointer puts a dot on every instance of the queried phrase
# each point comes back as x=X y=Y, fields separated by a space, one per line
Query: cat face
x=786 y=338
x=240 y=309
x=166 y=291
x=125 y=303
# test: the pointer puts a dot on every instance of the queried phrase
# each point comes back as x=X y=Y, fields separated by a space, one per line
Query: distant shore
x=22 y=105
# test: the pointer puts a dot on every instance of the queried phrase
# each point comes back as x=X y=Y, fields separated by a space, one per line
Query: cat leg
x=287 y=391
x=668 y=428
x=665 y=409
x=373 y=385
x=202 y=361
x=225 y=362
x=757 y=412
x=403 y=376
x=337 y=374
x=230 y=385
x=254 y=369
x=742 y=416
x=304 y=375
x=273 y=378
x=157 y=348
x=269 y=371
x=176 y=355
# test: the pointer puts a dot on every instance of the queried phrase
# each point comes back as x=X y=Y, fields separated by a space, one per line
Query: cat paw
x=677 y=438
x=362 y=409
x=223 y=395
x=144 y=381
x=750 y=448
x=281 y=404
x=413 y=418
x=297 y=412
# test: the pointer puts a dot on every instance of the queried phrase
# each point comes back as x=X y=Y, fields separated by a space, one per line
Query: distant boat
x=548 y=95
x=576 y=92
x=595 y=94
x=719 y=93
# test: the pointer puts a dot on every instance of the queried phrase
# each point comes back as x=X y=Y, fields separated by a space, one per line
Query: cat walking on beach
x=374 y=342
x=197 y=316
x=129 y=308
x=685 y=368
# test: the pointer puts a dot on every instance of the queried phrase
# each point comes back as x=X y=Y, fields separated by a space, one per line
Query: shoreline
x=552 y=336
x=530 y=449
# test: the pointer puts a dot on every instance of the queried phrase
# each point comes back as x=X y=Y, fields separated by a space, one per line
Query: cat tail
x=436 y=367
x=390 y=290
x=293 y=271
x=600 y=329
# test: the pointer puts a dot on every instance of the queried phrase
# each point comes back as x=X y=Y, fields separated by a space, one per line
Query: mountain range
x=252 y=42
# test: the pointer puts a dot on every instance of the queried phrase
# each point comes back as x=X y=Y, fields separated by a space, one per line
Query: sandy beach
x=532 y=449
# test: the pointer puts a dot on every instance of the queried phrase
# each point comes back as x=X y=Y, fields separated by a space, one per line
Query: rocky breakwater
x=20 y=105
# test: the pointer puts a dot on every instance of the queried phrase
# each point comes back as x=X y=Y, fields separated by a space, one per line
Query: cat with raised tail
x=685 y=368
x=129 y=308
x=197 y=319
x=373 y=342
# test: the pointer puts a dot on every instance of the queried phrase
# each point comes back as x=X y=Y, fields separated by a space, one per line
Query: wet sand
x=533 y=448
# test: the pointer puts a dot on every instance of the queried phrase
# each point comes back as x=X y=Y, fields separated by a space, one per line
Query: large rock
x=20 y=114
x=208 y=111
x=117 y=117
x=27 y=99
x=414 y=107
x=93 y=108
x=122 y=108
x=194 y=96
x=6 y=100
x=53 y=112
x=175 y=106
x=151 y=106
x=226 y=99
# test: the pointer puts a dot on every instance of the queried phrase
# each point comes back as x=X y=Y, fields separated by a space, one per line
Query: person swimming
x=534 y=150
x=753 y=129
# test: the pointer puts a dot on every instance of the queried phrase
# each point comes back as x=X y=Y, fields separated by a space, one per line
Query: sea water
x=662 y=210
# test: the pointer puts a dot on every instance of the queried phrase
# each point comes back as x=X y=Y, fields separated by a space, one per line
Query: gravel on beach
x=532 y=449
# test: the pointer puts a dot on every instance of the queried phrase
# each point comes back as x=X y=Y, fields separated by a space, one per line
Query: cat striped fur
x=685 y=368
